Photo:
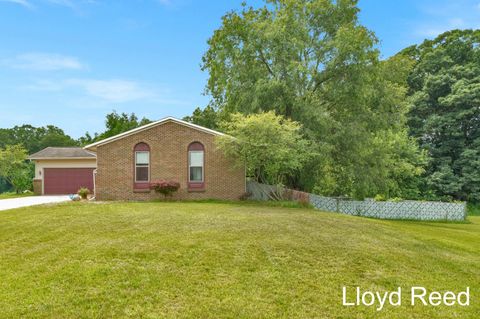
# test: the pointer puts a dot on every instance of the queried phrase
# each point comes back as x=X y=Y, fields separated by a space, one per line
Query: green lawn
x=220 y=260
x=8 y=195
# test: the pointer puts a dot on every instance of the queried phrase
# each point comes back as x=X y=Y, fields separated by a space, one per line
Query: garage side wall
x=168 y=144
x=37 y=186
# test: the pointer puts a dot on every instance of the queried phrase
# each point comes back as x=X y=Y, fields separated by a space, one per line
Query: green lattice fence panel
x=327 y=204
x=407 y=209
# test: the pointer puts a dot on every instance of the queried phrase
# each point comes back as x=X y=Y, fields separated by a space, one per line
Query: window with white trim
x=142 y=166
x=195 y=166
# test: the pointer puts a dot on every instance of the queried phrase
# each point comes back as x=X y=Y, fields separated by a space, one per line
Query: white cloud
x=44 y=62
x=65 y=3
x=109 y=90
x=429 y=32
x=23 y=3
x=113 y=90
x=456 y=23
x=45 y=85
x=72 y=4
x=443 y=15
x=433 y=29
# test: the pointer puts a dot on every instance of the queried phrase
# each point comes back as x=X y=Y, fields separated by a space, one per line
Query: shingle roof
x=62 y=152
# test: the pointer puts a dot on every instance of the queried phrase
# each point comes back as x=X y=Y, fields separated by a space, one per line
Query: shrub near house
x=167 y=188
x=83 y=192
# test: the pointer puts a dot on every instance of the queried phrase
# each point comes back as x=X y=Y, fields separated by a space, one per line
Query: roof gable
x=93 y=146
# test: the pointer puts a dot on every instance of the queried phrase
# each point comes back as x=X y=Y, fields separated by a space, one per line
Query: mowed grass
x=224 y=260
x=8 y=195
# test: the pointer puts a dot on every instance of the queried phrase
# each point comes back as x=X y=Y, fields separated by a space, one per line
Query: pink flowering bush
x=167 y=188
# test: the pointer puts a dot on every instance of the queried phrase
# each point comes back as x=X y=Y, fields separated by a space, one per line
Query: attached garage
x=63 y=170
x=66 y=180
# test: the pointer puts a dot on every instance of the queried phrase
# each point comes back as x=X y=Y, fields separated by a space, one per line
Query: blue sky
x=70 y=62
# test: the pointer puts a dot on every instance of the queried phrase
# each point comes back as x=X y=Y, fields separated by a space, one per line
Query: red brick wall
x=168 y=160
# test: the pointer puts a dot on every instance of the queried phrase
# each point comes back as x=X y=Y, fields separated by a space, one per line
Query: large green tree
x=445 y=111
x=115 y=123
x=270 y=146
x=206 y=117
x=14 y=167
x=311 y=61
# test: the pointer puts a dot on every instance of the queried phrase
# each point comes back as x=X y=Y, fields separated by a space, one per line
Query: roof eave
x=61 y=158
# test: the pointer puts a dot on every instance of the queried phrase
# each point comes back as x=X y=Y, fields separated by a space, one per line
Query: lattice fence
x=406 y=209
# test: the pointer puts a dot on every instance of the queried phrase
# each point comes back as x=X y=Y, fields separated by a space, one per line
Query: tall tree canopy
x=311 y=61
x=206 y=117
x=445 y=111
x=33 y=138
x=115 y=124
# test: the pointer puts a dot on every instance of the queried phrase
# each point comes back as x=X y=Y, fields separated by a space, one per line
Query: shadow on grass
x=284 y=204
x=473 y=209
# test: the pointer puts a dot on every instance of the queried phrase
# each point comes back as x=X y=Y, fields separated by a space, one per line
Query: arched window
x=142 y=163
x=196 y=174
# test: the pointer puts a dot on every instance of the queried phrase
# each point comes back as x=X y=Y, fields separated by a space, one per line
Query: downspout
x=94 y=184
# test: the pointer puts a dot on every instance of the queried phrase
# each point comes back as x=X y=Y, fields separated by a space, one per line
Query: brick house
x=125 y=164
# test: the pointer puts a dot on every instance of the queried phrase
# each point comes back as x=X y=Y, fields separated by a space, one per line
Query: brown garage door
x=66 y=180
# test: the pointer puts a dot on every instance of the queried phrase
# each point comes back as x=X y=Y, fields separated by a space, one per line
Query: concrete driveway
x=31 y=201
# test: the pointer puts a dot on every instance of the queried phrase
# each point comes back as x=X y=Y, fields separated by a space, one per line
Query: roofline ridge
x=152 y=124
